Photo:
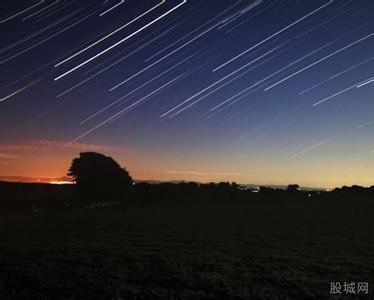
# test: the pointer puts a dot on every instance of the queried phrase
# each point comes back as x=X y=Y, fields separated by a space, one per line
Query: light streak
x=356 y=85
x=137 y=89
x=193 y=31
x=40 y=10
x=213 y=85
x=271 y=75
x=49 y=12
x=325 y=22
x=32 y=72
x=302 y=152
x=175 y=50
x=21 y=12
x=112 y=8
x=273 y=35
x=153 y=93
x=254 y=67
x=123 y=110
x=231 y=80
x=109 y=35
x=137 y=43
x=24 y=76
x=252 y=16
x=365 y=124
x=177 y=41
x=113 y=64
x=240 y=13
x=161 y=59
x=47 y=39
x=20 y=90
x=35 y=34
x=335 y=75
x=366 y=82
x=320 y=60
x=242 y=95
x=120 y=42
x=344 y=4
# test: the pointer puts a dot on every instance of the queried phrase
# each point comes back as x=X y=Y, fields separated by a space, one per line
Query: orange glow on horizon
x=61 y=182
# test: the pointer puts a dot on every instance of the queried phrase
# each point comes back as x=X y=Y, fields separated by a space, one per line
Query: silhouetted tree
x=99 y=177
x=235 y=189
x=293 y=188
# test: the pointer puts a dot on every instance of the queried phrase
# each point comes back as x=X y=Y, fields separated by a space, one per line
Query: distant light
x=60 y=182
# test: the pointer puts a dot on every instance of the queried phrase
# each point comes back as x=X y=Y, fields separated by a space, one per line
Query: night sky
x=261 y=91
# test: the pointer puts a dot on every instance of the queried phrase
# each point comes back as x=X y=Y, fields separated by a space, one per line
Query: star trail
x=253 y=91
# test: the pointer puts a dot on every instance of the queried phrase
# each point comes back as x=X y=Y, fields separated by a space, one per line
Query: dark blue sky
x=248 y=91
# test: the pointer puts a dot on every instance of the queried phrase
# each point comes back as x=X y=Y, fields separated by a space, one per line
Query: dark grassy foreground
x=229 y=249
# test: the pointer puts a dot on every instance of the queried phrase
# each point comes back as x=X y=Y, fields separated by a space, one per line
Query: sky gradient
x=261 y=91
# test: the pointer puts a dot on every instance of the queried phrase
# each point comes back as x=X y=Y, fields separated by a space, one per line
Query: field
x=228 y=249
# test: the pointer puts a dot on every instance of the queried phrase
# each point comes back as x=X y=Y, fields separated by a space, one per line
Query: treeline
x=101 y=182
x=26 y=196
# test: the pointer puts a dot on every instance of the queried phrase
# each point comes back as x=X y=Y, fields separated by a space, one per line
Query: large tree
x=99 y=177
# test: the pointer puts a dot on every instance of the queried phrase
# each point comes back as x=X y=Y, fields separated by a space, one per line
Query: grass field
x=234 y=249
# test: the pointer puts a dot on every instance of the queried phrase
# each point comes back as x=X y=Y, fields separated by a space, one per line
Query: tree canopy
x=98 y=175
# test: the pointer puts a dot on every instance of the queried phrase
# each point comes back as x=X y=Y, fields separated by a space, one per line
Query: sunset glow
x=187 y=90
